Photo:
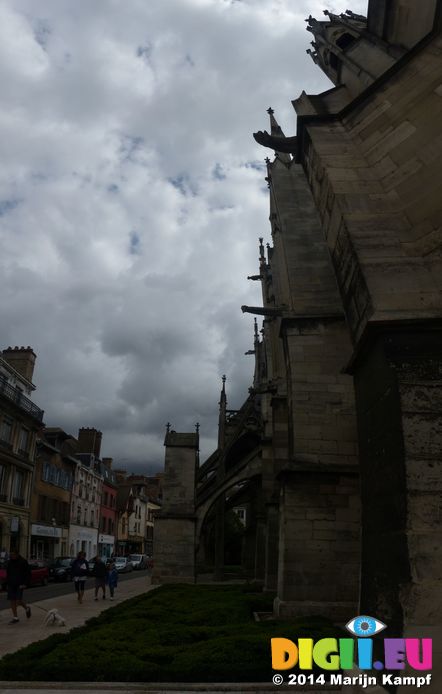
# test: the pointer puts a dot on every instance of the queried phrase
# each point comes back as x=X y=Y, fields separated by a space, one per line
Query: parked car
x=39 y=573
x=91 y=563
x=123 y=565
x=138 y=561
x=60 y=569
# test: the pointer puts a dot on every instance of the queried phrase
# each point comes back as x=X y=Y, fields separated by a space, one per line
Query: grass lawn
x=178 y=633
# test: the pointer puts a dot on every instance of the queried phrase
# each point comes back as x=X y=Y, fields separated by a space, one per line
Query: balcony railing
x=21 y=400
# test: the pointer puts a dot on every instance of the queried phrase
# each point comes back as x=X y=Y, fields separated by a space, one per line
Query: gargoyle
x=278 y=144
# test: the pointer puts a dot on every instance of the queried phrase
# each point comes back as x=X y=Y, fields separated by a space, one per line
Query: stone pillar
x=249 y=544
x=271 y=547
x=399 y=403
x=218 y=573
x=174 y=538
x=248 y=554
x=260 y=547
x=319 y=542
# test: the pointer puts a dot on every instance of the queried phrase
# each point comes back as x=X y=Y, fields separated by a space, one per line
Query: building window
x=23 y=441
x=3 y=476
x=6 y=430
x=18 y=489
x=46 y=472
x=241 y=514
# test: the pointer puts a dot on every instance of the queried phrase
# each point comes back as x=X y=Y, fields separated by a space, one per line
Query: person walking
x=80 y=570
x=112 y=579
x=100 y=577
x=18 y=576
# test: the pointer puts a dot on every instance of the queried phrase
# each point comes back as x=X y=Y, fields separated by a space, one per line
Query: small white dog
x=54 y=618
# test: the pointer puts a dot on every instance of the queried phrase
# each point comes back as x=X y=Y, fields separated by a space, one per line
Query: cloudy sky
x=132 y=196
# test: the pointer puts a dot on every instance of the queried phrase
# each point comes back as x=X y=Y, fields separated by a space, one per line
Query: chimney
x=107 y=462
x=89 y=441
x=121 y=475
x=22 y=359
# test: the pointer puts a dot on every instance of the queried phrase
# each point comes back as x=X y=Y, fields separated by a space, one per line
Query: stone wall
x=398 y=388
x=174 y=538
x=174 y=550
x=321 y=397
x=316 y=426
x=319 y=547
x=374 y=174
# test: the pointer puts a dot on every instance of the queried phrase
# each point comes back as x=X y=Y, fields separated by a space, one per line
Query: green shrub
x=174 y=633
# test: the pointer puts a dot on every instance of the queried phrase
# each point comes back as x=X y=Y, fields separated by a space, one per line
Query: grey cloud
x=133 y=198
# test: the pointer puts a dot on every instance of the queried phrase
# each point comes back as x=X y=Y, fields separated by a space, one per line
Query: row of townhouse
x=57 y=495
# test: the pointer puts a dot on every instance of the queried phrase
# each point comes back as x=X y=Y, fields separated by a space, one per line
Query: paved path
x=26 y=631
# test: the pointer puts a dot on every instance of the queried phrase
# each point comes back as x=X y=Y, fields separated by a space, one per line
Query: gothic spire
x=256 y=336
x=276 y=131
x=332 y=37
x=222 y=415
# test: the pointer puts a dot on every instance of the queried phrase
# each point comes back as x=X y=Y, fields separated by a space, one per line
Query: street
x=54 y=588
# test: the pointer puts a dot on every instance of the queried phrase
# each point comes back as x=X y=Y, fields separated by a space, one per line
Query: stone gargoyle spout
x=279 y=144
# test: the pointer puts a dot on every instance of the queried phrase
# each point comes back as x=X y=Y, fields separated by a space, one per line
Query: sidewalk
x=26 y=631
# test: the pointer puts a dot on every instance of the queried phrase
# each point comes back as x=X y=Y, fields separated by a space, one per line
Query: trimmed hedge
x=174 y=633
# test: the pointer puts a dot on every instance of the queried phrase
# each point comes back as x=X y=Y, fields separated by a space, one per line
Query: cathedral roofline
x=303 y=120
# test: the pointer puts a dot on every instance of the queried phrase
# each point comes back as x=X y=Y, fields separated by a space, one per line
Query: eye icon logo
x=365 y=626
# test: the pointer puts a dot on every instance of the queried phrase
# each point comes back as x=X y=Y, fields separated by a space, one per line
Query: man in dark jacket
x=100 y=572
x=80 y=570
x=18 y=576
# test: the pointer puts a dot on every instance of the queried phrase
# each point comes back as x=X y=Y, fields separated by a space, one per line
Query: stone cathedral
x=337 y=451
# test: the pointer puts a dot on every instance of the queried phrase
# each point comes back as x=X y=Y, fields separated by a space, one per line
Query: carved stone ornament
x=279 y=144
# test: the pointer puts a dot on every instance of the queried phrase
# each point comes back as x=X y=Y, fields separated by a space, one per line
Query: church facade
x=337 y=452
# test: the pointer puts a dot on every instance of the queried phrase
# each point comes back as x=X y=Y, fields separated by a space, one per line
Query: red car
x=39 y=573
